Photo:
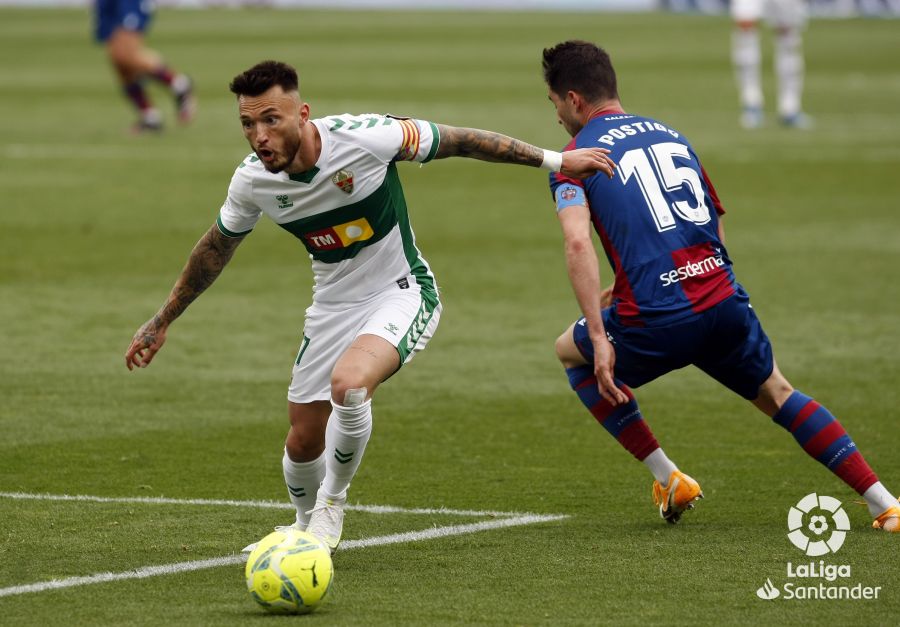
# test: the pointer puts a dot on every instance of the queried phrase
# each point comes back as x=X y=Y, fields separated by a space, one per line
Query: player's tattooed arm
x=486 y=146
x=205 y=264
x=490 y=146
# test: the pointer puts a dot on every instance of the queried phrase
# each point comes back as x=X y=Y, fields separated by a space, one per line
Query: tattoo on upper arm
x=486 y=146
x=205 y=264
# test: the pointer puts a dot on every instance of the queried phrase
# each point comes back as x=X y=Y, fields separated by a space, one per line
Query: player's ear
x=575 y=99
x=304 y=112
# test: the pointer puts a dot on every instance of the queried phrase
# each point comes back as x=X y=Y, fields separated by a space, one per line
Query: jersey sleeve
x=239 y=214
x=564 y=189
x=388 y=137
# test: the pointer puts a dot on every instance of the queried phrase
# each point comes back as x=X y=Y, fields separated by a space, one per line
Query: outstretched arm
x=584 y=273
x=490 y=146
x=206 y=262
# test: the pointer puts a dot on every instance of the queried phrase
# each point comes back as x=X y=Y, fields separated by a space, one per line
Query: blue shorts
x=727 y=342
x=131 y=15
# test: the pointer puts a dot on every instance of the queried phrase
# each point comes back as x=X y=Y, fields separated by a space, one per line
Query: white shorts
x=774 y=12
x=404 y=316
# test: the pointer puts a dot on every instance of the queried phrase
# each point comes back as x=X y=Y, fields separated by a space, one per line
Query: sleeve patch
x=568 y=195
x=409 y=147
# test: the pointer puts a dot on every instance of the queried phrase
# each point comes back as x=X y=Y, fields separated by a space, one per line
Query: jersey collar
x=605 y=112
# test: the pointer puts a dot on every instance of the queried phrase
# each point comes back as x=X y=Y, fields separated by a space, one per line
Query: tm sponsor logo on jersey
x=340 y=236
x=634 y=128
x=691 y=269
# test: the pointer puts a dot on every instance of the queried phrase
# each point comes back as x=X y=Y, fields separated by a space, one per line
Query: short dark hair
x=581 y=67
x=263 y=76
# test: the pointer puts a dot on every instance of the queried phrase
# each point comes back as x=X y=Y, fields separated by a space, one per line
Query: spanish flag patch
x=409 y=148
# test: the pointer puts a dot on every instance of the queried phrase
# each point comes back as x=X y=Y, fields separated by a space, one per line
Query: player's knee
x=567 y=352
x=348 y=388
x=560 y=347
x=773 y=393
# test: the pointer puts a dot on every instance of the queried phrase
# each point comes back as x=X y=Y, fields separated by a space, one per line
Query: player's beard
x=290 y=150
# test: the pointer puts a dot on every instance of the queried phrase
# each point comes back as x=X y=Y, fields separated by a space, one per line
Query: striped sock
x=624 y=422
x=135 y=92
x=823 y=438
x=164 y=75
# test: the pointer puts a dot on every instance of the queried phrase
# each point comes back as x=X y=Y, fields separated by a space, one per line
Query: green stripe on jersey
x=435 y=142
x=382 y=209
x=228 y=233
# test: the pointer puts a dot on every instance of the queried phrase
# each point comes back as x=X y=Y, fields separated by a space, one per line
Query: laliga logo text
x=818 y=526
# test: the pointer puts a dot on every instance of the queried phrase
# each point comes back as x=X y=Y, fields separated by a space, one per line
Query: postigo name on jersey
x=633 y=128
x=691 y=269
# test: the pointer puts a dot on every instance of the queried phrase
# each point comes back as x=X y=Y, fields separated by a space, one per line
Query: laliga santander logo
x=813 y=537
x=818 y=526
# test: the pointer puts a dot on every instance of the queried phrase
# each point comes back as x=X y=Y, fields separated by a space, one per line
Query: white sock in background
x=747 y=59
x=789 y=69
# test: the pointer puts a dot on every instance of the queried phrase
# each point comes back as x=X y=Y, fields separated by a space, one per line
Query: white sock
x=151 y=116
x=660 y=465
x=346 y=437
x=181 y=84
x=746 y=57
x=789 y=71
x=303 y=480
x=878 y=499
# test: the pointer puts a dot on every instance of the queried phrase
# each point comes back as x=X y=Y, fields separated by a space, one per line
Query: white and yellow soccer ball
x=289 y=572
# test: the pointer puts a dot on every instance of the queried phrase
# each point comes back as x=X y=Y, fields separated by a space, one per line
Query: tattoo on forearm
x=206 y=262
x=486 y=146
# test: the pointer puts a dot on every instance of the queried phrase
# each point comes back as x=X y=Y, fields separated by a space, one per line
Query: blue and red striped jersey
x=657 y=218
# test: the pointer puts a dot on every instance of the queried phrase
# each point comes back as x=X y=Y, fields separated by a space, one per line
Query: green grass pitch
x=95 y=226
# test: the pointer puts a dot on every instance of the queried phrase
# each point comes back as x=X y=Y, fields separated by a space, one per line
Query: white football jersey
x=348 y=209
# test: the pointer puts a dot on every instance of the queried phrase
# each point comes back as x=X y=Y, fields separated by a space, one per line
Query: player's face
x=271 y=123
x=565 y=113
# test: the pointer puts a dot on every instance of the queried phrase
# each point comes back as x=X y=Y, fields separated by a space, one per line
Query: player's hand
x=585 y=162
x=606 y=298
x=604 y=366
x=145 y=344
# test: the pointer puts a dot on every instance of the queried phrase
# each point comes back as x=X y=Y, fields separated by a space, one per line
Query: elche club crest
x=344 y=181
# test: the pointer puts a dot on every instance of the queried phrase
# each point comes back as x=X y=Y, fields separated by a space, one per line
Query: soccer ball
x=289 y=572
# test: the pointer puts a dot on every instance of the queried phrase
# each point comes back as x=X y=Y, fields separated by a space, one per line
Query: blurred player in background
x=788 y=19
x=332 y=183
x=675 y=300
x=120 y=24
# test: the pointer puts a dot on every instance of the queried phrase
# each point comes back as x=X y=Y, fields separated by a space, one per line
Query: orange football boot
x=677 y=496
x=888 y=520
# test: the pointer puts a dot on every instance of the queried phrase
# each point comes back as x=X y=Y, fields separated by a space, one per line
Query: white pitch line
x=450 y=530
x=230 y=560
x=161 y=500
x=138 y=573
